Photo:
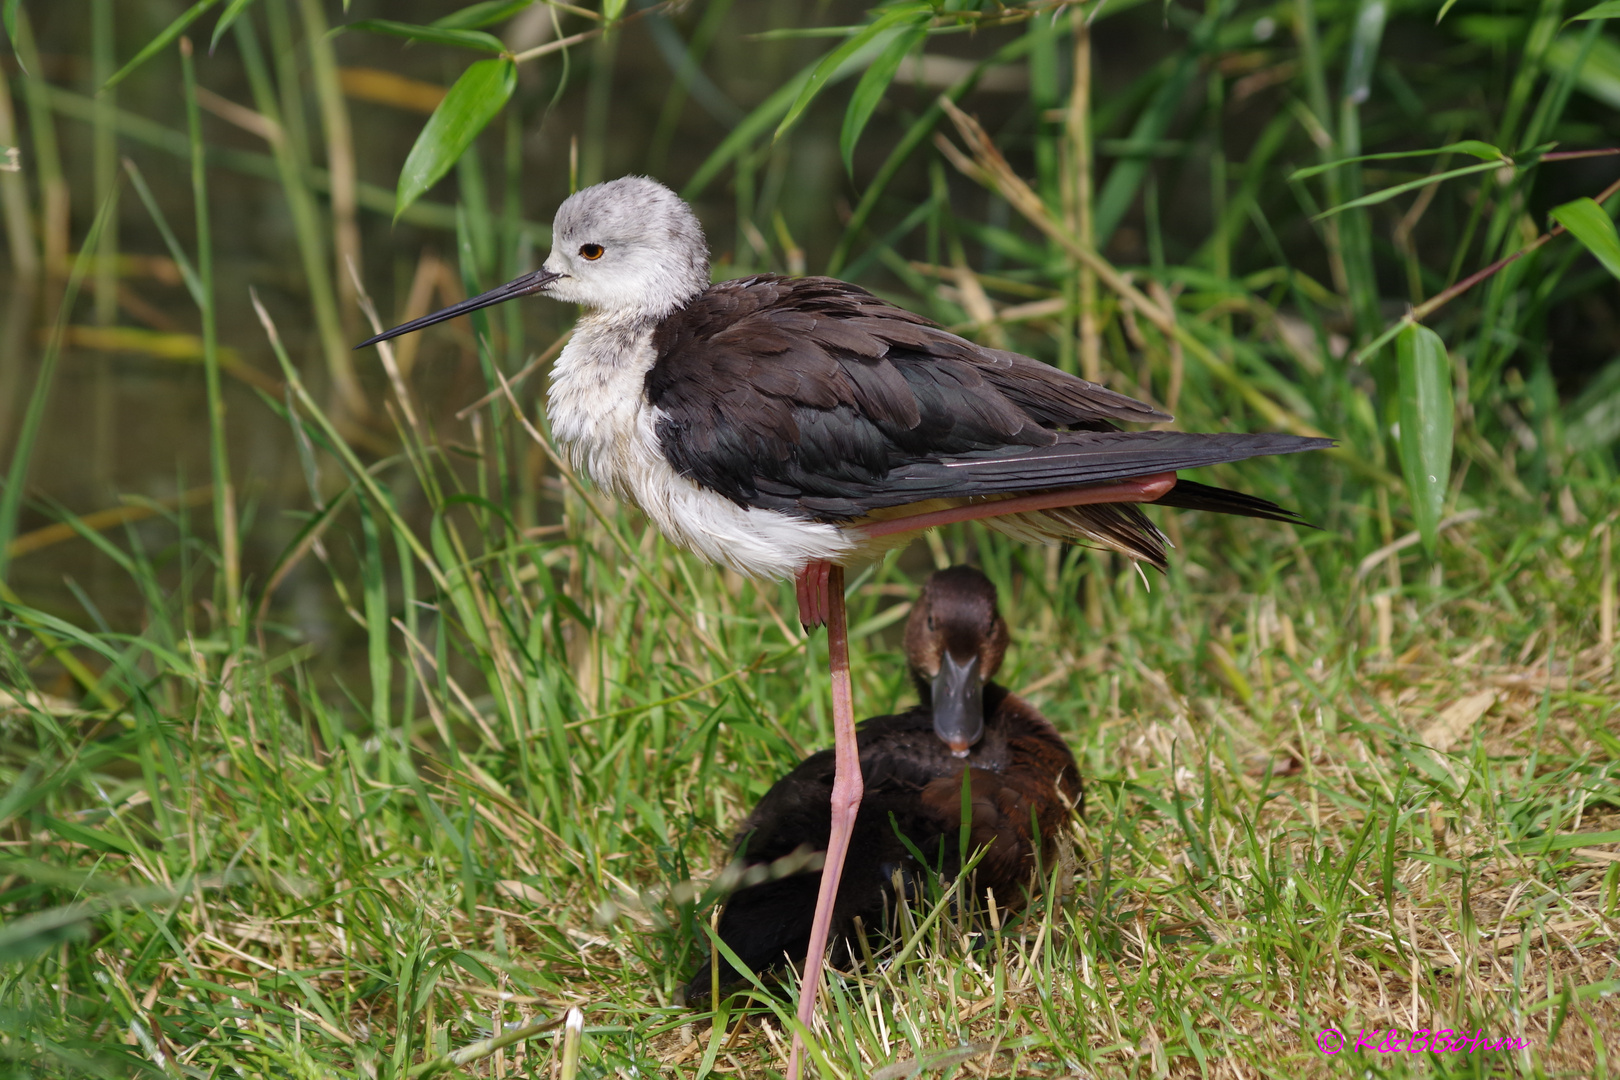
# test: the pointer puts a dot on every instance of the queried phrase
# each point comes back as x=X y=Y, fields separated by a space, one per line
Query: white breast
x=599 y=413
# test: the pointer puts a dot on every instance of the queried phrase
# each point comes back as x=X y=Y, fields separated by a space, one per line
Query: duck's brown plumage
x=1022 y=785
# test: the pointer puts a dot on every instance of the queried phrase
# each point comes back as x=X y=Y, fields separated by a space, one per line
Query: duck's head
x=955 y=641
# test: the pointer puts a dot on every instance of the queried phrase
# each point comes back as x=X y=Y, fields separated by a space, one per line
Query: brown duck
x=1022 y=782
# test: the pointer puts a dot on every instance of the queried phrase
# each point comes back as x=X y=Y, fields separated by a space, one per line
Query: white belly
x=599 y=414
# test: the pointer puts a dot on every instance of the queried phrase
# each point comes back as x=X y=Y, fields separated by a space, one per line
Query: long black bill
x=523 y=286
x=958 y=700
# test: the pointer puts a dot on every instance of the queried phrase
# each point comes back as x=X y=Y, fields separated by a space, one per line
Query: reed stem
x=224 y=492
x=54 y=197
x=339 y=161
x=18 y=217
x=1079 y=191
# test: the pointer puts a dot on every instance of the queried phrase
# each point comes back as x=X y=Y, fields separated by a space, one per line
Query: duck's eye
x=591 y=251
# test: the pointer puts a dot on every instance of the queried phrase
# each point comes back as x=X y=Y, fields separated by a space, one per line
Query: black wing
x=813 y=397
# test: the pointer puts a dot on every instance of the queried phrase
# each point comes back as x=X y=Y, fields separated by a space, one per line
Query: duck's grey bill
x=523 y=286
x=957 y=695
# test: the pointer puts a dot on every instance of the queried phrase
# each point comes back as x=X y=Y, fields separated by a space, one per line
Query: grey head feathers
x=628 y=249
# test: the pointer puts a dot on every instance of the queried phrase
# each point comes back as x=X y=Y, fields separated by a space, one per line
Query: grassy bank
x=1316 y=804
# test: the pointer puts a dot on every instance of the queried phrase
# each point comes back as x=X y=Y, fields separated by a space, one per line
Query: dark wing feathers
x=1067 y=402
x=1090 y=457
x=813 y=397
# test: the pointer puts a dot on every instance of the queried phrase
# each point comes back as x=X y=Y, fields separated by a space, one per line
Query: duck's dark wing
x=900 y=755
x=767 y=923
x=812 y=397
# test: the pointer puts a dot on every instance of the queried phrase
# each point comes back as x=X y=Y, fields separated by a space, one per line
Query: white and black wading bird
x=788 y=427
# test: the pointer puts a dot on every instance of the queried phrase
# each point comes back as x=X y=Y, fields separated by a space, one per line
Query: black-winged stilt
x=788 y=427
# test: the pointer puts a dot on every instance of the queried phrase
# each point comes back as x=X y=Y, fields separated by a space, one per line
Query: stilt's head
x=629 y=247
x=955 y=641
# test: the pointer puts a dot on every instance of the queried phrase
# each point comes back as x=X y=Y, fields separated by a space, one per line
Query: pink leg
x=846 y=796
x=1141 y=489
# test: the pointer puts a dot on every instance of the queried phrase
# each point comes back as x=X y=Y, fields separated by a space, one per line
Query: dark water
x=123 y=422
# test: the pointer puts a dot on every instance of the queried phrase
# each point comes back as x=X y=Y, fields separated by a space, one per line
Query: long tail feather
x=1191 y=495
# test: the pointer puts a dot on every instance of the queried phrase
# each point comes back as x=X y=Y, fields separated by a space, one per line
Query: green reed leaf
x=159 y=43
x=873 y=85
x=1426 y=425
x=1609 y=9
x=481 y=92
x=228 y=17
x=1588 y=223
x=433 y=35
x=1482 y=150
x=478 y=16
x=823 y=74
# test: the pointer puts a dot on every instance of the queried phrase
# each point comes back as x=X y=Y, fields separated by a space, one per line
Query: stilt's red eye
x=591 y=251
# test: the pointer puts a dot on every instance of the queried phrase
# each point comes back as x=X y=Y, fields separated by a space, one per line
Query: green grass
x=231 y=861
x=1334 y=781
